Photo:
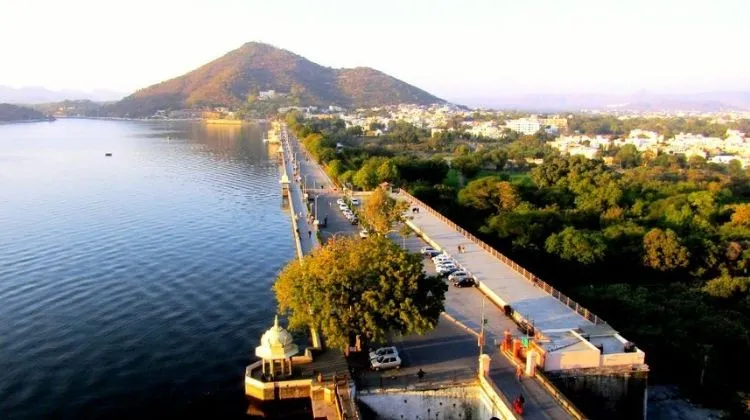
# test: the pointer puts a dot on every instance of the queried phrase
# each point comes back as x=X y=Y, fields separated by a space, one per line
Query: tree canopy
x=381 y=211
x=367 y=287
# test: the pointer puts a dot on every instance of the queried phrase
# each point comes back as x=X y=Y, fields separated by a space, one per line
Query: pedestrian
x=297 y=231
x=309 y=234
x=519 y=372
x=459 y=249
x=420 y=374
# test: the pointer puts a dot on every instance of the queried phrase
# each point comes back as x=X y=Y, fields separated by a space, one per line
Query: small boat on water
x=108 y=154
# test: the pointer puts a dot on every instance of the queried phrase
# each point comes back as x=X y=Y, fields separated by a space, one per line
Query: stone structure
x=276 y=350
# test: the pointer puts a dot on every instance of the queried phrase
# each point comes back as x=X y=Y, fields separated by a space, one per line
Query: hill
x=38 y=95
x=255 y=67
x=14 y=113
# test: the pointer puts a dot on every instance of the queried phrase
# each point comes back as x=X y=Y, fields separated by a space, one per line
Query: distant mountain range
x=256 y=67
x=38 y=95
x=642 y=101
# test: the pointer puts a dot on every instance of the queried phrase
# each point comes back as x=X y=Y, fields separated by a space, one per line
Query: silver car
x=386 y=362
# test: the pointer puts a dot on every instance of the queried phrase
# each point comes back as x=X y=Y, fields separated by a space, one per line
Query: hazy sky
x=455 y=49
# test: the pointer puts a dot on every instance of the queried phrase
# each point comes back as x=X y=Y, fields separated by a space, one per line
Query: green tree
x=387 y=172
x=726 y=286
x=489 y=193
x=628 y=156
x=382 y=211
x=585 y=247
x=354 y=287
x=663 y=251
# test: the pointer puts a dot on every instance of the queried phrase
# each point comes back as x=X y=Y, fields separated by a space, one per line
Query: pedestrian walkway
x=305 y=227
x=532 y=303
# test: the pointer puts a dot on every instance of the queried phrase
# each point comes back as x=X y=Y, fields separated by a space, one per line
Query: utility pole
x=481 y=330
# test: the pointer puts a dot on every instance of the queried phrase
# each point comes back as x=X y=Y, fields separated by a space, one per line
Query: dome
x=276 y=343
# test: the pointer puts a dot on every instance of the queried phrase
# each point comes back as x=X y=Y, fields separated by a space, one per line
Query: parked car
x=355 y=201
x=383 y=351
x=446 y=269
x=386 y=362
x=442 y=258
x=458 y=275
x=364 y=233
x=348 y=213
x=429 y=251
x=464 y=282
x=343 y=207
x=340 y=201
x=354 y=220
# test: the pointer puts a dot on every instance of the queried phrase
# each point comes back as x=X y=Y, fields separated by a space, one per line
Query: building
x=526 y=126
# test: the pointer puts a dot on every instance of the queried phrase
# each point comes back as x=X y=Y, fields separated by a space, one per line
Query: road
x=305 y=229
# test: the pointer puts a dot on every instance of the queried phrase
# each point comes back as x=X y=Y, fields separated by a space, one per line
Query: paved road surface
x=465 y=305
x=305 y=229
x=533 y=303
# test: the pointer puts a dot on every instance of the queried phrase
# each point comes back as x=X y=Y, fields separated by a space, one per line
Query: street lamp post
x=481 y=330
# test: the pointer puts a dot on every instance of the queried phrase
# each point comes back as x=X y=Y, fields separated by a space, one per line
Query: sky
x=457 y=49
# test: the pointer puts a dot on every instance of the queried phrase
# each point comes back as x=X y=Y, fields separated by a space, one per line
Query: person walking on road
x=519 y=373
x=309 y=234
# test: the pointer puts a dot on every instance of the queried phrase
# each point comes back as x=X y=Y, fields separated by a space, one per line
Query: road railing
x=536 y=281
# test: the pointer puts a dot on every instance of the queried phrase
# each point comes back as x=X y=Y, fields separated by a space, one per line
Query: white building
x=526 y=126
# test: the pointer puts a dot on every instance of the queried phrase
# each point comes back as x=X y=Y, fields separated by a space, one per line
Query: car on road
x=442 y=258
x=446 y=269
x=355 y=201
x=364 y=233
x=464 y=282
x=383 y=351
x=386 y=362
x=429 y=251
x=458 y=275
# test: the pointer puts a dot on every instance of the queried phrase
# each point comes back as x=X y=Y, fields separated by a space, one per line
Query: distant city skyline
x=457 y=51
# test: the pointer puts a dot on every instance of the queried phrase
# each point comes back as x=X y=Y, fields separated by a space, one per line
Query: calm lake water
x=136 y=285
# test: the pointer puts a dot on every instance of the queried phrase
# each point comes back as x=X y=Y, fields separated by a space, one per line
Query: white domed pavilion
x=277 y=345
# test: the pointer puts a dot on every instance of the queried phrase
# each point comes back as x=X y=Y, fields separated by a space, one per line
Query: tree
x=662 y=250
x=489 y=193
x=586 y=247
x=726 y=286
x=628 y=156
x=387 y=172
x=381 y=211
x=352 y=287
x=741 y=215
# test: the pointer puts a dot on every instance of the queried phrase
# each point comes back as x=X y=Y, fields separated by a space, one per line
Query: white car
x=348 y=214
x=386 y=362
x=446 y=269
x=441 y=258
x=364 y=233
x=458 y=275
x=340 y=201
x=355 y=201
x=343 y=207
x=383 y=351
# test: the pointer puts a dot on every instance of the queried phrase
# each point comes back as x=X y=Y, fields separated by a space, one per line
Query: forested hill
x=14 y=113
x=255 y=67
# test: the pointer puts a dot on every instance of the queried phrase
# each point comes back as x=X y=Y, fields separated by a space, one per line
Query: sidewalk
x=306 y=230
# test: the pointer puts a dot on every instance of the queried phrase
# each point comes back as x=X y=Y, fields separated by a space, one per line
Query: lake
x=136 y=285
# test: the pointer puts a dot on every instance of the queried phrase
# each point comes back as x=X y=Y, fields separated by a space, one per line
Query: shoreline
x=36 y=120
